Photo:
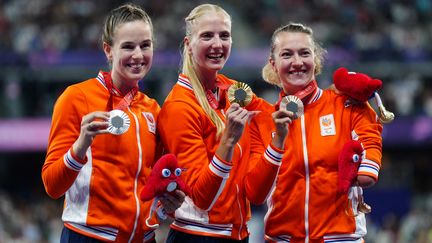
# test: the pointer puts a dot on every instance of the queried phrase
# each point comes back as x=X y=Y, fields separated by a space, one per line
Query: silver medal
x=118 y=122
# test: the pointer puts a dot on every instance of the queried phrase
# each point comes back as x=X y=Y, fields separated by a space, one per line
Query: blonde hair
x=269 y=75
x=120 y=15
x=188 y=65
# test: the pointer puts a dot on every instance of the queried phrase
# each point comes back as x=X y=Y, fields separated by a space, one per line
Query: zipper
x=306 y=164
x=137 y=175
x=241 y=214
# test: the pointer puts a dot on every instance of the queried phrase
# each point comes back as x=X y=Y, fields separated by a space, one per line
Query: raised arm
x=181 y=129
x=268 y=133
x=69 y=139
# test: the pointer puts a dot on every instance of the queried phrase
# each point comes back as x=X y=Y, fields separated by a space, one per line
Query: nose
x=217 y=42
x=137 y=52
x=297 y=60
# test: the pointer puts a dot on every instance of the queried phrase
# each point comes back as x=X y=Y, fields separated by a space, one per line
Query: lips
x=297 y=72
x=135 y=65
x=215 y=56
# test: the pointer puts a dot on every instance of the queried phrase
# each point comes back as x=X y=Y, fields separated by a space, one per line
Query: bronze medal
x=293 y=104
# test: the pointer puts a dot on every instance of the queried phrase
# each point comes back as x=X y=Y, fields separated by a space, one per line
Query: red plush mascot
x=164 y=178
x=349 y=161
x=360 y=88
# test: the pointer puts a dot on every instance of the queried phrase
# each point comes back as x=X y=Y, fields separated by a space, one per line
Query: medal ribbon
x=211 y=98
x=303 y=95
x=127 y=99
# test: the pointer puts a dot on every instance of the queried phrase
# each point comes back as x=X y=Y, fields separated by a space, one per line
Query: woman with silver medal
x=103 y=141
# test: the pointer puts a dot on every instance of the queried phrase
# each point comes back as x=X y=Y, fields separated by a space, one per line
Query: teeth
x=215 y=55
x=297 y=72
x=135 y=65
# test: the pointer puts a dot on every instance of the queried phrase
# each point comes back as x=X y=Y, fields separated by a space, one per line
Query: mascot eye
x=166 y=172
x=356 y=158
x=178 y=172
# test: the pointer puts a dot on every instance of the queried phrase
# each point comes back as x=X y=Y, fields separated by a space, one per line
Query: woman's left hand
x=365 y=181
x=171 y=202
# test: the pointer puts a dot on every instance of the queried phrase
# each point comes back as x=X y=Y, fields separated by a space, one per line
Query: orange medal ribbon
x=127 y=99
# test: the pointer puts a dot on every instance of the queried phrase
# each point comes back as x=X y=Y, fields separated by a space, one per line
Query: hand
x=365 y=181
x=92 y=124
x=236 y=119
x=281 y=119
x=172 y=201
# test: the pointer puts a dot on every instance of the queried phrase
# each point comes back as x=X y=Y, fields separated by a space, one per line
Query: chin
x=140 y=75
x=216 y=67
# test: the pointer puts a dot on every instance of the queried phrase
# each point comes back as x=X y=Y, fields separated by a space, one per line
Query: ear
x=186 y=43
x=107 y=50
x=273 y=64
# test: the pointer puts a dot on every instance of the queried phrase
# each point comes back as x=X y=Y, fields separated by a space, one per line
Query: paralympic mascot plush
x=164 y=178
x=359 y=88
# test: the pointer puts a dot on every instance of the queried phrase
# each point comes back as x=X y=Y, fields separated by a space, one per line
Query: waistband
x=106 y=233
x=230 y=231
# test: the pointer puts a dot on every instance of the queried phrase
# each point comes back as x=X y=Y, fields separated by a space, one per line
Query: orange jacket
x=218 y=205
x=304 y=203
x=102 y=194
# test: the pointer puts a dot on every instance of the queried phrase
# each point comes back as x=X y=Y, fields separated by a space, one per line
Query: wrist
x=228 y=142
x=278 y=141
x=79 y=151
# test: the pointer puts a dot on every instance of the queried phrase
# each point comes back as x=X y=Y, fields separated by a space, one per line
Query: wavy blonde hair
x=271 y=76
x=189 y=68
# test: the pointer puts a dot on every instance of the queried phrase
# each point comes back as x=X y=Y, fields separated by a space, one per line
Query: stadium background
x=46 y=45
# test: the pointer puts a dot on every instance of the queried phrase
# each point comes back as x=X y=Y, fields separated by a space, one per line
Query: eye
x=146 y=45
x=166 y=172
x=285 y=54
x=206 y=35
x=356 y=158
x=225 y=36
x=178 y=172
x=128 y=47
x=305 y=53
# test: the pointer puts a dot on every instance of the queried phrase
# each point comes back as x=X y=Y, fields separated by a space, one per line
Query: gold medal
x=240 y=93
x=118 y=122
x=293 y=104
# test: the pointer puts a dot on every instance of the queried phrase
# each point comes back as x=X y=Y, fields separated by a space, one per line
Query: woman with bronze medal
x=305 y=204
x=103 y=141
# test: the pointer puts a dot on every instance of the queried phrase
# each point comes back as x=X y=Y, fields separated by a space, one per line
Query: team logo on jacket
x=150 y=122
x=327 y=125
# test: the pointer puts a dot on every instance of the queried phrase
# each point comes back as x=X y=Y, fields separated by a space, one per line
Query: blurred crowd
x=33 y=221
x=364 y=30
x=361 y=35
x=388 y=39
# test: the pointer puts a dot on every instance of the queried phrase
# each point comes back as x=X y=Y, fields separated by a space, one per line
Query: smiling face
x=209 y=43
x=131 y=53
x=293 y=60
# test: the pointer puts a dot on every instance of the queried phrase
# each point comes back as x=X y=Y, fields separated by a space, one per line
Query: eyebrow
x=132 y=42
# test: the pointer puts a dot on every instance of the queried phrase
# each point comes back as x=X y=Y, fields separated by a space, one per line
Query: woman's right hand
x=92 y=124
x=281 y=119
x=236 y=118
